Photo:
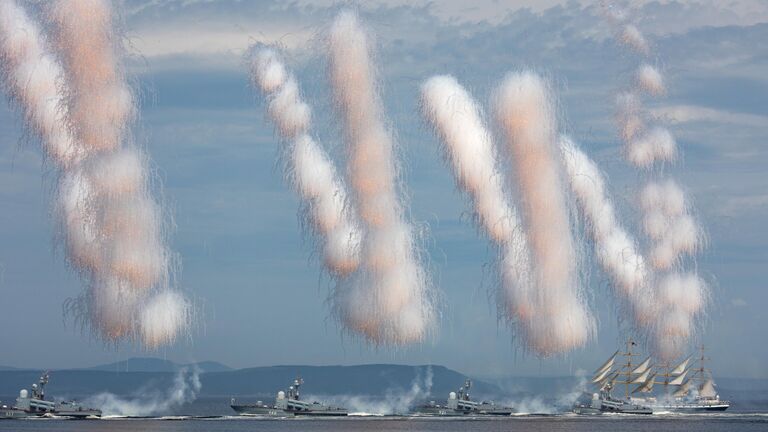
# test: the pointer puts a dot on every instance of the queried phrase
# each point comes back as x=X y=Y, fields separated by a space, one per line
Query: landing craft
x=289 y=404
x=461 y=405
x=35 y=405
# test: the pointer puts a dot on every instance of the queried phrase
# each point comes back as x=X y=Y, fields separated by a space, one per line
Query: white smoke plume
x=151 y=402
x=650 y=80
x=616 y=250
x=632 y=37
x=469 y=147
x=31 y=78
x=668 y=223
x=678 y=297
x=309 y=168
x=394 y=401
x=388 y=300
x=524 y=108
x=77 y=102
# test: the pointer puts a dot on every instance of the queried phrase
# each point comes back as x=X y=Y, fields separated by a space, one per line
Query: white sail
x=644 y=366
x=647 y=386
x=607 y=365
x=683 y=389
x=708 y=389
x=681 y=367
x=601 y=376
x=679 y=379
x=642 y=378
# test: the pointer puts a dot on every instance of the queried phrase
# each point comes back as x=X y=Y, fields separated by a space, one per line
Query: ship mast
x=627 y=368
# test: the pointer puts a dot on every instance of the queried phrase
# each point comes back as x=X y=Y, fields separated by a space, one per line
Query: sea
x=214 y=415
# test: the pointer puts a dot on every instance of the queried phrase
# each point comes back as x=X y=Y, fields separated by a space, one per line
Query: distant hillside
x=149 y=364
x=376 y=379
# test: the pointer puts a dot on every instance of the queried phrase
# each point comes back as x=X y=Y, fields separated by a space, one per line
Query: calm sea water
x=717 y=422
x=212 y=414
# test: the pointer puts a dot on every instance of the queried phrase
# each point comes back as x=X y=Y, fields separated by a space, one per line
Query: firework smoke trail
x=524 y=108
x=31 y=78
x=469 y=147
x=132 y=274
x=679 y=296
x=101 y=195
x=616 y=249
x=388 y=300
x=310 y=169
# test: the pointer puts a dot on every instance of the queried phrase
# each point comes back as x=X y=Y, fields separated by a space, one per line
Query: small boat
x=289 y=404
x=461 y=405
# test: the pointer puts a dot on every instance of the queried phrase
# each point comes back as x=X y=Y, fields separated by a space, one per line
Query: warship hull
x=268 y=411
x=690 y=408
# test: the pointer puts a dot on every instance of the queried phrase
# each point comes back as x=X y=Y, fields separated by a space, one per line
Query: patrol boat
x=461 y=405
x=289 y=404
x=35 y=405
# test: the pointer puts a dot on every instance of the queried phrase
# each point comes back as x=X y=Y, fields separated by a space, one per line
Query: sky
x=259 y=293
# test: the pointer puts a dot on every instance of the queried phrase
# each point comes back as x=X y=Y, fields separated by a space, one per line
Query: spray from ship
x=64 y=74
x=151 y=402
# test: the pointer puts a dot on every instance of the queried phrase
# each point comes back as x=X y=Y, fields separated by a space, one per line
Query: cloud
x=692 y=113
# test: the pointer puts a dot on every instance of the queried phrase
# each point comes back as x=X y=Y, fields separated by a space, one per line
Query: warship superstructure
x=660 y=387
x=289 y=404
x=460 y=404
x=34 y=404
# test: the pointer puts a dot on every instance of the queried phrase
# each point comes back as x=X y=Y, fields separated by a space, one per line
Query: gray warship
x=34 y=404
x=461 y=405
x=288 y=405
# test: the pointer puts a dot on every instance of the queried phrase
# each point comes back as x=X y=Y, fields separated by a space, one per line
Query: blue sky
x=260 y=295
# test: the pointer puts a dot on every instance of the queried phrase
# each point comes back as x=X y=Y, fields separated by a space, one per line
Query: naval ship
x=461 y=405
x=674 y=393
x=35 y=405
x=289 y=404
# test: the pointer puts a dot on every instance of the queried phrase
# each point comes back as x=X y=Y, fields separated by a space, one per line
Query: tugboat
x=36 y=405
x=461 y=405
x=606 y=377
x=289 y=404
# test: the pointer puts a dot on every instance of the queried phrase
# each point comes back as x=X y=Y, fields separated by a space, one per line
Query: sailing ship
x=681 y=387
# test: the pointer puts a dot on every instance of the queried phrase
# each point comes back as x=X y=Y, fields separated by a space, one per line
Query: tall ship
x=460 y=404
x=34 y=404
x=685 y=386
x=289 y=404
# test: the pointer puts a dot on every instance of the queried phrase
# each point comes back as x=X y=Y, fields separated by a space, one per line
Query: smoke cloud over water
x=150 y=402
x=82 y=109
